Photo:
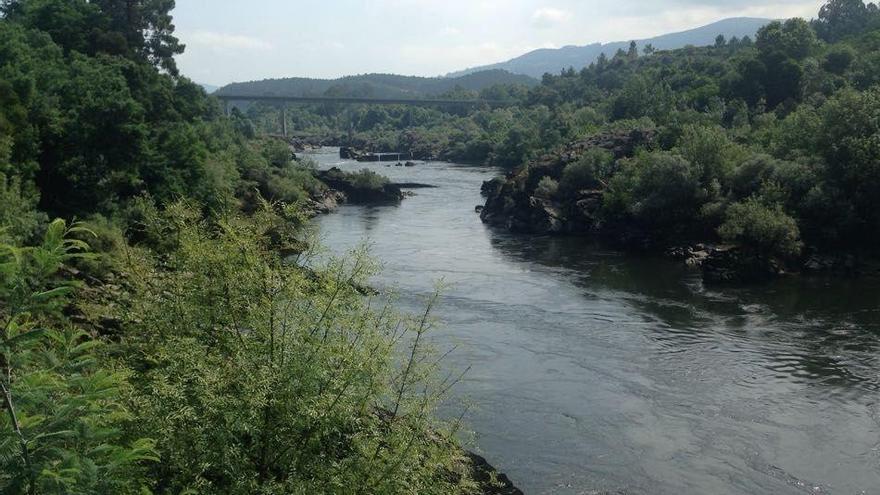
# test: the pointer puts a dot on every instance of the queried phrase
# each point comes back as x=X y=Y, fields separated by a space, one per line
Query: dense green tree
x=840 y=18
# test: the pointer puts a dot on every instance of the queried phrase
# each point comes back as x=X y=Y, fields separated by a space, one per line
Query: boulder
x=739 y=264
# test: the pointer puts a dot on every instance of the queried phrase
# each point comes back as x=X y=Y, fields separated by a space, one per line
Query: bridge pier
x=284 y=120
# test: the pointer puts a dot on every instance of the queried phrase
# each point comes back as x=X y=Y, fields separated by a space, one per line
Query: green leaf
x=49 y=294
x=24 y=338
x=43 y=436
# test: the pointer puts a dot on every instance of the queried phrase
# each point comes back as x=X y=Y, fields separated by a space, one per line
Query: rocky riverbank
x=514 y=202
x=531 y=200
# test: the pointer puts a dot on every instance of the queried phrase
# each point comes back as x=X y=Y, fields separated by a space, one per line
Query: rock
x=489 y=479
x=352 y=192
x=478 y=208
x=738 y=264
x=325 y=203
x=410 y=164
x=697 y=258
x=414 y=185
x=846 y=264
x=348 y=153
x=491 y=186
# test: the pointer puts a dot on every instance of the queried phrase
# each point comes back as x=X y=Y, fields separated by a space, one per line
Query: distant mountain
x=210 y=88
x=377 y=85
x=539 y=62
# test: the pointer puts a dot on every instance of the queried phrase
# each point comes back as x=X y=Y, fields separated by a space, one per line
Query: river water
x=595 y=370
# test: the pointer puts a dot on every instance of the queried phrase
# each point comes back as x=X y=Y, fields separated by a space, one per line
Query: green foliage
x=710 y=149
x=841 y=18
x=590 y=171
x=63 y=411
x=839 y=59
x=766 y=228
x=547 y=188
x=291 y=372
x=367 y=179
x=20 y=220
x=660 y=190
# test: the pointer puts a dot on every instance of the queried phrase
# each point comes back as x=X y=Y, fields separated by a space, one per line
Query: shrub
x=710 y=149
x=662 y=190
x=367 y=179
x=289 y=371
x=19 y=218
x=767 y=228
x=590 y=171
x=547 y=188
x=63 y=407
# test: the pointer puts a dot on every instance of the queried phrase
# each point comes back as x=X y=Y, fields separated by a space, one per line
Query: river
x=596 y=370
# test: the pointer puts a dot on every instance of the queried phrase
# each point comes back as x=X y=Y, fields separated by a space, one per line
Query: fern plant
x=61 y=408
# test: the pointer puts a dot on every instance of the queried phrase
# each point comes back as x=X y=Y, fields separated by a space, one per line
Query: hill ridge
x=543 y=60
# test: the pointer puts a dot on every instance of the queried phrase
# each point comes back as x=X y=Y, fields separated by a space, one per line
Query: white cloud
x=548 y=17
x=226 y=41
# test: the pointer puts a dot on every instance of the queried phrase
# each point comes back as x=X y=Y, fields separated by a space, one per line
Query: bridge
x=227 y=98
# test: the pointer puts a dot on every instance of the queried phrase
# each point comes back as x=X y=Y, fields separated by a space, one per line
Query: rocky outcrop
x=489 y=479
x=514 y=204
x=358 y=192
x=325 y=203
x=727 y=263
x=739 y=264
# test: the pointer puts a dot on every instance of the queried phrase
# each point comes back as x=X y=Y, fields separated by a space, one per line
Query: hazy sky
x=241 y=40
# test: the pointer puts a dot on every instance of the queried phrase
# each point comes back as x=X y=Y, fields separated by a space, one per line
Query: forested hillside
x=162 y=335
x=380 y=85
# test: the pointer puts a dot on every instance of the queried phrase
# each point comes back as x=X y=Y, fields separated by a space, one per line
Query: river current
x=597 y=370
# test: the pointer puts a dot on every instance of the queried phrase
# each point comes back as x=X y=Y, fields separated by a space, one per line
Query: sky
x=235 y=40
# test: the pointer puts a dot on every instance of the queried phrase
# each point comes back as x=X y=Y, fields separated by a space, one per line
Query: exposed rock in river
x=514 y=204
x=361 y=192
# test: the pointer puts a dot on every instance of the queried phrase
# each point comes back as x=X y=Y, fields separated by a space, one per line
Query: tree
x=139 y=29
x=838 y=59
x=794 y=38
x=147 y=27
x=766 y=228
x=633 y=52
x=720 y=41
x=62 y=410
x=841 y=18
x=648 y=50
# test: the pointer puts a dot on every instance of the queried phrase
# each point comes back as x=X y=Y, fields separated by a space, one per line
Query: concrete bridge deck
x=353 y=100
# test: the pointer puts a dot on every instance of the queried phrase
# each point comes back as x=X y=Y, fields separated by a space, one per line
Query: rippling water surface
x=594 y=370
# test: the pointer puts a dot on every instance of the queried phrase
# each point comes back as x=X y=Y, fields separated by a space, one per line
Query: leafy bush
x=63 y=407
x=590 y=171
x=767 y=228
x=661 y=190
x=547 y=188
x=20 y=220
x=367 y=179
x=289 y=371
